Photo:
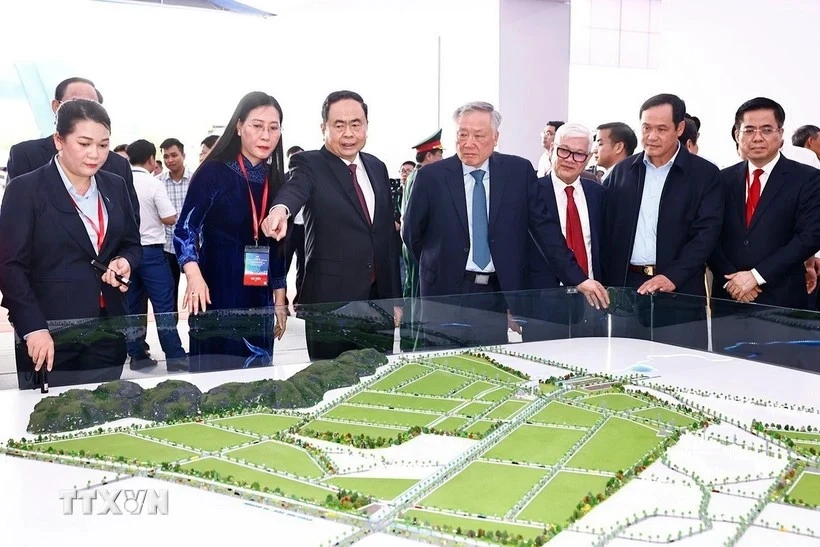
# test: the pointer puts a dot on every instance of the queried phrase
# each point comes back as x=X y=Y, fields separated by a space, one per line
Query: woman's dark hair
x=77 y=110
x=229 y=144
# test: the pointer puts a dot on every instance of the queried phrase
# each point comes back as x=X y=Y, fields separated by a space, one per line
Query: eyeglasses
x=260 y=128
x=765 y=131
x=565 y=153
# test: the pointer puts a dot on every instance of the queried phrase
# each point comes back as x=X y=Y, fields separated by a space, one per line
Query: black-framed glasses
x=565 y=153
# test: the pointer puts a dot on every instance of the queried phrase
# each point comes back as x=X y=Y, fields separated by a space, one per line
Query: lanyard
x=99 y=231
x=255 y=215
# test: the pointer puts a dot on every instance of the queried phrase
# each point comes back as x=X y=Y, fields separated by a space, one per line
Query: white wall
x=716 y=55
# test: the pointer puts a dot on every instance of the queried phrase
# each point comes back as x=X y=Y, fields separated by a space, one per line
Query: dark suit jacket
x=435 y=226
x=27 y=156
x=539 y=274
x=45 y=257
x=341 y=248
x=785 y=230
x=689 y=221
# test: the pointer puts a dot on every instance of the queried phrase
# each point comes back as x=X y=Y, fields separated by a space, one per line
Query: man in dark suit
x=579 y=204
x=474 y=245
x=662 y=218
x=351 y=252
x=27 y=156
x=772 y=215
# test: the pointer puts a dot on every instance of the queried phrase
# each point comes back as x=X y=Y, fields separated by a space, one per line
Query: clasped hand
x=742 y=286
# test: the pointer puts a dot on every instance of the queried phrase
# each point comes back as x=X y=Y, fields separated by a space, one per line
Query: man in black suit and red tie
x=771 y=223
x=27 y=156
x=351 y=253
x=579 y=205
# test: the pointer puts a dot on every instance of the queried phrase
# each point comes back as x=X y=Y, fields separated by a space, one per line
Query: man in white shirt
x=152 y=279
x=547 y=138
x=176 y=179
x=578 y=204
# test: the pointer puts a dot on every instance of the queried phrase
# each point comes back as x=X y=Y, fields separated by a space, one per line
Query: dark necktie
x=754 y=195
x=575 y=235
x=362 y=202
x=481 y=246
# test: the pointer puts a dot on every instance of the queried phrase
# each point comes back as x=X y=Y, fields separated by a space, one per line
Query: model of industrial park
x=459 y=447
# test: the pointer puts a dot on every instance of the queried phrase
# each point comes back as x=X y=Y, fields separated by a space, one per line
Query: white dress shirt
x=469 y=187
x=544 y=164
x=800 y=155
x=764 y=178
x=154 y=206
x=364 y=184
x=583 y=211
x=645 y=247
x=88 y=205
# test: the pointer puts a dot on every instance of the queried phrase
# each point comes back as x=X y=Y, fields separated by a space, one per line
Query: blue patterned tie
x=481 y=248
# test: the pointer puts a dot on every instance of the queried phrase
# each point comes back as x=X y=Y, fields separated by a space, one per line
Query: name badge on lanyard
x=257 y=258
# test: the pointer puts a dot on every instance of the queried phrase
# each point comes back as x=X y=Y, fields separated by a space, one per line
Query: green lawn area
x=478 y=366
x=435 y=518
x=280 y=456
x=474 y=389
x=355 y=430
x=799 y=435
x=399 y=376
x=383 y=489
x=450 y=424
x=807 y=488
x=241 y=473
x=557 y=500
x=506 y=409
x=481 y=426
x=198 y=436
x=120 y=444
x=261 y=424
x=404 y=401
x=564 y=414
x=380 y=416
x=574 y=394
x=473 y=409
x=535 y=444
x=547 y=388
x=485 y=488
x=665 y=415
x=439 y=382
x=806 y=448
x=617 y=445
x=615 y=401
x=497 y=395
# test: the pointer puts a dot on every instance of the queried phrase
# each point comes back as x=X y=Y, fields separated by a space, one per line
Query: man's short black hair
x=208 y=141
x=140 y=151
x=410 y=163
x=59 y=92
x=121 y=148
x=294 y=150
x=690 y=132
x=337 y=96
x=677 y=104
x=168 y=143
x=555 y=124
x=760 y=103
x=621 y=132
x=803 y=134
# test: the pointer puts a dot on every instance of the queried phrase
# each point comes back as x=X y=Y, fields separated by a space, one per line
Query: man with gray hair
x=467 y=225
x=579 y=205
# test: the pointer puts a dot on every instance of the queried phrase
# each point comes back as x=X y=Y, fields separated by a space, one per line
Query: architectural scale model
x=487 y=446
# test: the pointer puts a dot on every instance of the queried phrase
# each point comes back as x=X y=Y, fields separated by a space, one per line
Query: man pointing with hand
x=350 y=249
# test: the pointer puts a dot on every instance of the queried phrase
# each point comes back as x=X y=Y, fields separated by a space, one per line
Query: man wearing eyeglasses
x=578 y=203
x=772 y=215
x=662 y=218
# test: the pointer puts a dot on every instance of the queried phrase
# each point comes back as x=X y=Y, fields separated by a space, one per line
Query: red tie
x=575 y=236
x=754 y=195
x=362 y=202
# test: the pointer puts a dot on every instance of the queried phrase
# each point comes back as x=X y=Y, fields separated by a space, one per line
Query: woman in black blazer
x=54 y=221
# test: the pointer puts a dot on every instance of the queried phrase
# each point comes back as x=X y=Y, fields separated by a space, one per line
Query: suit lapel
x=345 y=181
x=498 y=182
x=593 y=205
x=379 y=187
x=68 y=217
x=777 y=180
x=48 y=149
x=737 y=193
x=455 y=183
